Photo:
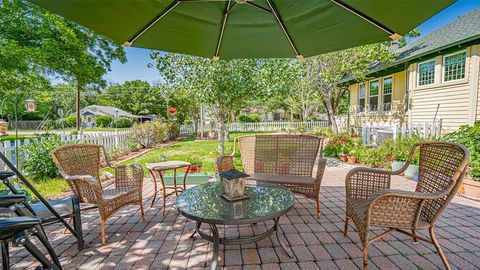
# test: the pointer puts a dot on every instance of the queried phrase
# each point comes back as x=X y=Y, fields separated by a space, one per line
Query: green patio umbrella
x=248 y=28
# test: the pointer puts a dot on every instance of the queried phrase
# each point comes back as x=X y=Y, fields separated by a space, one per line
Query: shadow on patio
x=163 y=242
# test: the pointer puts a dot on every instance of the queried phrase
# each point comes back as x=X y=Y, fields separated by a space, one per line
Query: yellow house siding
x=397 y=112
x=452 y=96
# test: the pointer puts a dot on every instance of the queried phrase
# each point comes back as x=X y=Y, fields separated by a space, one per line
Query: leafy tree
x=36 y=46
x=325 y=71
x=137 y=97
x=226 y=86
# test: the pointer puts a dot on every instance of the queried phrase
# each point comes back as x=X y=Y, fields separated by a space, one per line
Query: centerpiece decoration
x=233 y=185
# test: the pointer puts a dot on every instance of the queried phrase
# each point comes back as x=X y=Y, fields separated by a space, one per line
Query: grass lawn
x=50 y=189
x=11 y=137
x=187 y=149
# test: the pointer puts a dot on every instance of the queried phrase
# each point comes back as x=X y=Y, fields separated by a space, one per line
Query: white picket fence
x=376 y=133
x=108 y=139
x=268 y=126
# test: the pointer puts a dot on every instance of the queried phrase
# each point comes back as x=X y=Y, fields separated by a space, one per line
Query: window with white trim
x=373 y=95
x=361 y=97
x=454 y=66
x=387 y=94
x=426 y=73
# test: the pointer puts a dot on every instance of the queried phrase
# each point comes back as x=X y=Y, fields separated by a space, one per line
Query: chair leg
x=415 y=240
x=5 y=255
x=365 y=257
x=43 y=238
x=345 y=228
x=439 y=249
x=38 y=255
x=318 y=207
x=102 y=224
x=77 y=225
x=65 y=229
x=142 y=212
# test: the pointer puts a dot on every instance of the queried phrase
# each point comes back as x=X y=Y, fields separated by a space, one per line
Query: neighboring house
x=440 y=70
x=89 y=114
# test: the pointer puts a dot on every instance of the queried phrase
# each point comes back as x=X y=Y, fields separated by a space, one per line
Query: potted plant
x=396 y=164
x=344 y=153
x=351 y=158
x=195 y=165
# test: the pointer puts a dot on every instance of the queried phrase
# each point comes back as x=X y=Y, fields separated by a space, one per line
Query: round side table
x=156 y=171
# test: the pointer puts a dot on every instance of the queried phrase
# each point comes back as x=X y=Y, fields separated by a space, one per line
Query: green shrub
x=103 y=121
x=336 y=143
x=325 y=132
x=173 y=130
x=148 y=134
x=68 y=122
x=382 y=155
x=248 y=118
x=38 y=164
x=469 y=136
x=123 y=122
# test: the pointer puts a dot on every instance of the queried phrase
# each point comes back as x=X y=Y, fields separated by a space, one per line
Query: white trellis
x=373 y=133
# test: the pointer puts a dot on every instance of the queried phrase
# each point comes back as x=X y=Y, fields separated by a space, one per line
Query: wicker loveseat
x=80 y=164
x=371 y=202
x=286 y=159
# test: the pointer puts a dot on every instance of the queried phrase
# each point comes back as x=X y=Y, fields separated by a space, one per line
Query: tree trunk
x=331 y=117
x=221 y=132
x=78 y=120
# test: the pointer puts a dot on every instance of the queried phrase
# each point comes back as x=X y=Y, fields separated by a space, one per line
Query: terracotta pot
x=343 y=157
x=470 y=188
x=193 y=169
x=351 y=159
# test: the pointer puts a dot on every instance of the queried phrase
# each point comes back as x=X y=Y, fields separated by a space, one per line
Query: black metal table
x=204 y=204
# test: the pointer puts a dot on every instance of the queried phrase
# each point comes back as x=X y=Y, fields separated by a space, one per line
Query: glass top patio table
x=204 y=203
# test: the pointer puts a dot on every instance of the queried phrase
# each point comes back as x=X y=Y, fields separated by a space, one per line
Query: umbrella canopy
x=247 y=28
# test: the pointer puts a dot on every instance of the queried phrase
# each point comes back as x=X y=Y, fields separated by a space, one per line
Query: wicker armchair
x=371 y=203
x=286 y=159
x=80 y=164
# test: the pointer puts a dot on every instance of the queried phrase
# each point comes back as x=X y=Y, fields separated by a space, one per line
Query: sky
x=138 y=59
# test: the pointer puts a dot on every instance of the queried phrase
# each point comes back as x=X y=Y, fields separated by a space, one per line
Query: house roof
x=106 y=110
x=464 y=29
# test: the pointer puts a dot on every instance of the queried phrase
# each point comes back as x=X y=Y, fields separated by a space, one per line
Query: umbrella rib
x=228 y=9
x=151 y=23
x=367 y=18
x=282 y=26
x=258 y=6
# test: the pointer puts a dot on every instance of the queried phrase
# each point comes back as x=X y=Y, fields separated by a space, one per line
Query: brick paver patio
x=163 y=242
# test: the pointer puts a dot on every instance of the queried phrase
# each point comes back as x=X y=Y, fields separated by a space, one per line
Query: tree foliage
x=37 y=46
x=227 y=86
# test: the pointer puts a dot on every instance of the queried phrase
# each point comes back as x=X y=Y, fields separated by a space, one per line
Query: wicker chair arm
x=403 y=194
x=360 y=183
x=90 y=180
x=128 y=175
x=397 y=208
x=322 y=164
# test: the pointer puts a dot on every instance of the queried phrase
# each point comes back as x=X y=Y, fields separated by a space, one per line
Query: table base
x=216 y=240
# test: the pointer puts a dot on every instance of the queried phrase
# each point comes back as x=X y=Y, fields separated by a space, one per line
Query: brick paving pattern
x=163 y=242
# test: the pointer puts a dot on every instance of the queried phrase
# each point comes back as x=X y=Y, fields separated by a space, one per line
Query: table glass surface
x=205 y=203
